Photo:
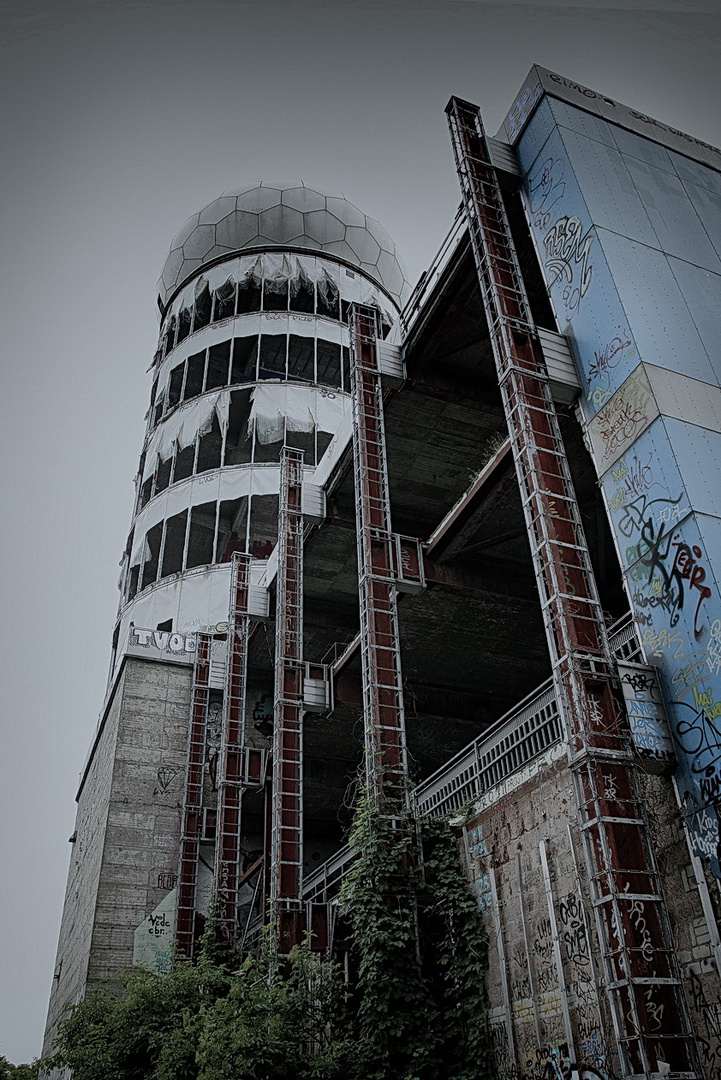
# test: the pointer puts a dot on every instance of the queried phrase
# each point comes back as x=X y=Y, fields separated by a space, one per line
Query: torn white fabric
x=276 y=408
x=229 y=483
x=184 y=425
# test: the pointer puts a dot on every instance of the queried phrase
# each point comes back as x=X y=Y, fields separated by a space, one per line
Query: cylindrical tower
x=253 y=354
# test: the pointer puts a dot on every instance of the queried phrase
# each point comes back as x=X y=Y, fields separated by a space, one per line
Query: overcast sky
x=119 y=120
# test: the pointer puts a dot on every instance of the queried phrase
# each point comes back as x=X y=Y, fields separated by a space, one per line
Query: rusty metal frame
x=642 y=980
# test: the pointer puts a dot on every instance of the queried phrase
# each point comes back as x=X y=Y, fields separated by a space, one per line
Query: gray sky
x=119 y=120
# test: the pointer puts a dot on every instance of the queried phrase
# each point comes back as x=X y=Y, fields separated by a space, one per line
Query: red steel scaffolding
x=641 y=977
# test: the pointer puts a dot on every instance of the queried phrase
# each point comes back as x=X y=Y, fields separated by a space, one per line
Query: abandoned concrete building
x=472 y=527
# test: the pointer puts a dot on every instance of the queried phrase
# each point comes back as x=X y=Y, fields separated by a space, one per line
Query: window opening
x=224 y=300
x=175 y=385
x=249 y=290
x=301 y=359
x=159 y=409
x=302 y=440
x=152 y=553
x=302 y=293
x=162 y=474
x=328 y=297
x=245 y=355
x=268 y=450
x=218 y=365
x=238 y=444
x=133 y=581
x=328 y=363
x=273 y=348
x=174 y=544
x=194 y=375
x=263 y=525
x=345 y=352
x=232 y=514
x=145 y=490
x=209 y=448
x=153 y=391
x=203 y=307
x=184 y=321
x=275 y=294
x=184 y=462
x=201 y=535
x=169 y=336
x=323 y=441
x=165 y=627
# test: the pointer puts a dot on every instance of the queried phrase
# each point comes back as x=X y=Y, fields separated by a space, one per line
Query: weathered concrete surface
x=125 y=855
x=530 y=979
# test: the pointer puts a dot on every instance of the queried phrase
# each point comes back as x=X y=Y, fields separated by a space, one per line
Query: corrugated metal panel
x=565 y=383
x=503 y=157
x=390 y=361
x=313 y=501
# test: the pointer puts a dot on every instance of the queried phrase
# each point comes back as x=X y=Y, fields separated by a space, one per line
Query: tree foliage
x=8 y=1071
x=414 y=1007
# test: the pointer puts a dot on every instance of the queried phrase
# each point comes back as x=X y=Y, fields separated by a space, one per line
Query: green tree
x=414 y=1008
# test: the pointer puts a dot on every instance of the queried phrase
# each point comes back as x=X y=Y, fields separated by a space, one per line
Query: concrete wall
x=627 y=236
x=533 y=978
x=125 y=855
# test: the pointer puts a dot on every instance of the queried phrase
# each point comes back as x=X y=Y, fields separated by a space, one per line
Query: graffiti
x=501 y=1052
x=654 y=1010
x=546 y=187
x=709 y=1013
x=165 y=777
x=478 y=850
x=688 y=675
x=640 y=681
x=713 y=649
x=656 y=640
x=159 y=924
x=603 y=364
x=568 y=248
x=688 y=568
x=701 y=741
x=521 y=109
x=520 y=982
x=573 y=935
x=167 y=880
x=636 y=913
x=639 y=513
x=675 y=568
x=622 y=419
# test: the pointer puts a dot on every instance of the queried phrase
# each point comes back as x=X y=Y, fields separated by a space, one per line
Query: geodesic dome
x=283 y=214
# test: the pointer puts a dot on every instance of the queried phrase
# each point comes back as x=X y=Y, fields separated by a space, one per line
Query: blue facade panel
x=628 y=233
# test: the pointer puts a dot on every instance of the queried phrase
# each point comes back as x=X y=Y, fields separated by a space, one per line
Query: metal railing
x=524 y=733
x=518 y=737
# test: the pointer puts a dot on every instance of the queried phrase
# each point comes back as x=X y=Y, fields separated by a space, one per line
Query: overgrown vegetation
x=414 y=1007
x=8 y=1071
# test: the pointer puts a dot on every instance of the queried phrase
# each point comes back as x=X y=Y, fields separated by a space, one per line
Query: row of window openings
x=232 y=298
x=250 y=359
x=205 y=534
x=237 y=447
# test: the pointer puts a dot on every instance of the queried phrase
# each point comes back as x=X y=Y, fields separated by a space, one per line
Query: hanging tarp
x=276 y=408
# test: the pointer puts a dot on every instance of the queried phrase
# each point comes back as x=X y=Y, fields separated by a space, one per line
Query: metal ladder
x=286 y=859
x=383 y=715
x=192 y=820
x=232 y=765
x=642 y=983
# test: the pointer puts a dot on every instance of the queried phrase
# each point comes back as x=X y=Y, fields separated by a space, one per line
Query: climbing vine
x=413 y=1008
x=420 y=947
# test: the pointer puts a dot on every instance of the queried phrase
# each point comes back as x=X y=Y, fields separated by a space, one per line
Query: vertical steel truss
x=383 y=717
x=192 y=821
x=231 y=771
x=642 y=981
x=287 y=810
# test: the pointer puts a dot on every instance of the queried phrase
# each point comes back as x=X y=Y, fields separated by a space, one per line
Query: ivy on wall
x=413 y=1008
